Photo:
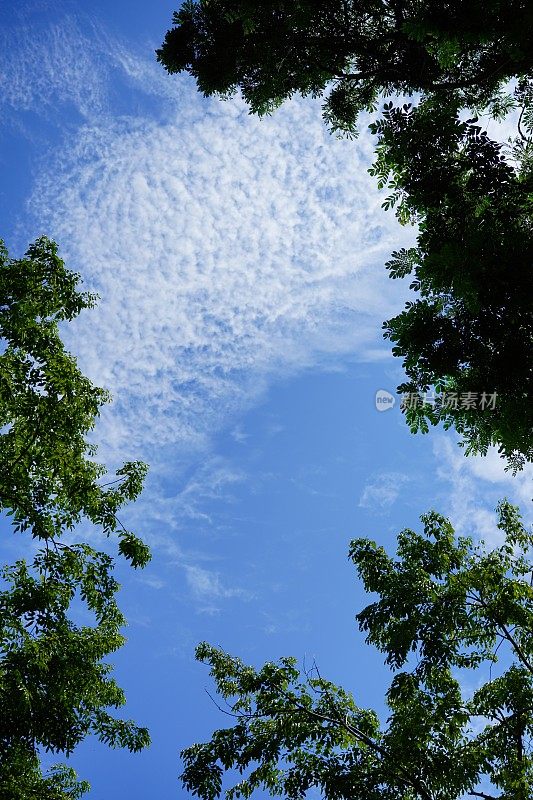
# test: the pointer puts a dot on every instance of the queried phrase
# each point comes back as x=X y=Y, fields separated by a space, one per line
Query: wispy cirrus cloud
x=226 y=250
x=207 y=585
x=43 y=66
x=382 y=491
x=208 y=589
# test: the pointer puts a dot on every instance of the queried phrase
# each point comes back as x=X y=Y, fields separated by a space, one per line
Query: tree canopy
x=357 y=51
x=449 y=615
x=55 y=687
x=469 y=333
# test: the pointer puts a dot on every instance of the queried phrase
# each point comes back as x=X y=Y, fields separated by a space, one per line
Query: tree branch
x=520 y=131
x=409 y=780
x=506 y=633
x=358 y=734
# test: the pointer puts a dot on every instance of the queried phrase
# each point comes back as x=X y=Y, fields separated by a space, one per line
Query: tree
x=470 y=198
x=469 y=333
x=444 y=606
x=55 y=687
x=272 y=50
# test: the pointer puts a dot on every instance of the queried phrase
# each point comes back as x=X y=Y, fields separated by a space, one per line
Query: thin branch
x=464 y=84
x=368 y=741
x=510 y=638
x=358 y=734
x=110 y=483
x=505 y=632
x=225 y=710
x=520 y=131
x=24 y=452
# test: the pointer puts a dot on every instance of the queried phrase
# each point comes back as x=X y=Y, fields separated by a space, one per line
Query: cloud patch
x=206 y=586
x=382 y=491
x=226 y=250
x=46 y=66
x=476 y=484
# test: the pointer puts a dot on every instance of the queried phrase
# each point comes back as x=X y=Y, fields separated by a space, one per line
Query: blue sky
x=239 y=264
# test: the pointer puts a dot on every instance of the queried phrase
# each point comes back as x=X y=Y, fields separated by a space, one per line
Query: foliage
x=470 y=330
x=356 y=50
x=444 y=606
x=55 y=688
x=22 y=779
x=48 y=478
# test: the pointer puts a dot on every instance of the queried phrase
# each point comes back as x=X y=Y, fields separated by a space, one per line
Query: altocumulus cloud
x=226 y=250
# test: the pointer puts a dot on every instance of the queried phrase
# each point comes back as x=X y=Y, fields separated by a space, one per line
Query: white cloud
x=211 y=480
x=477 y=484
x=383 y=490
x=206 y=585
x=43 y=66
x=152 y=581
x=239 y=435
x=69 y=60
x=178 y=503
x=225 y=250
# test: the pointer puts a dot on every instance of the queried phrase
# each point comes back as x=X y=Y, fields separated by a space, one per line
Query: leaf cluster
x=55 y=686
x=49 y=480
x=352 y=51
x=470 y=328
x=444 y=606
